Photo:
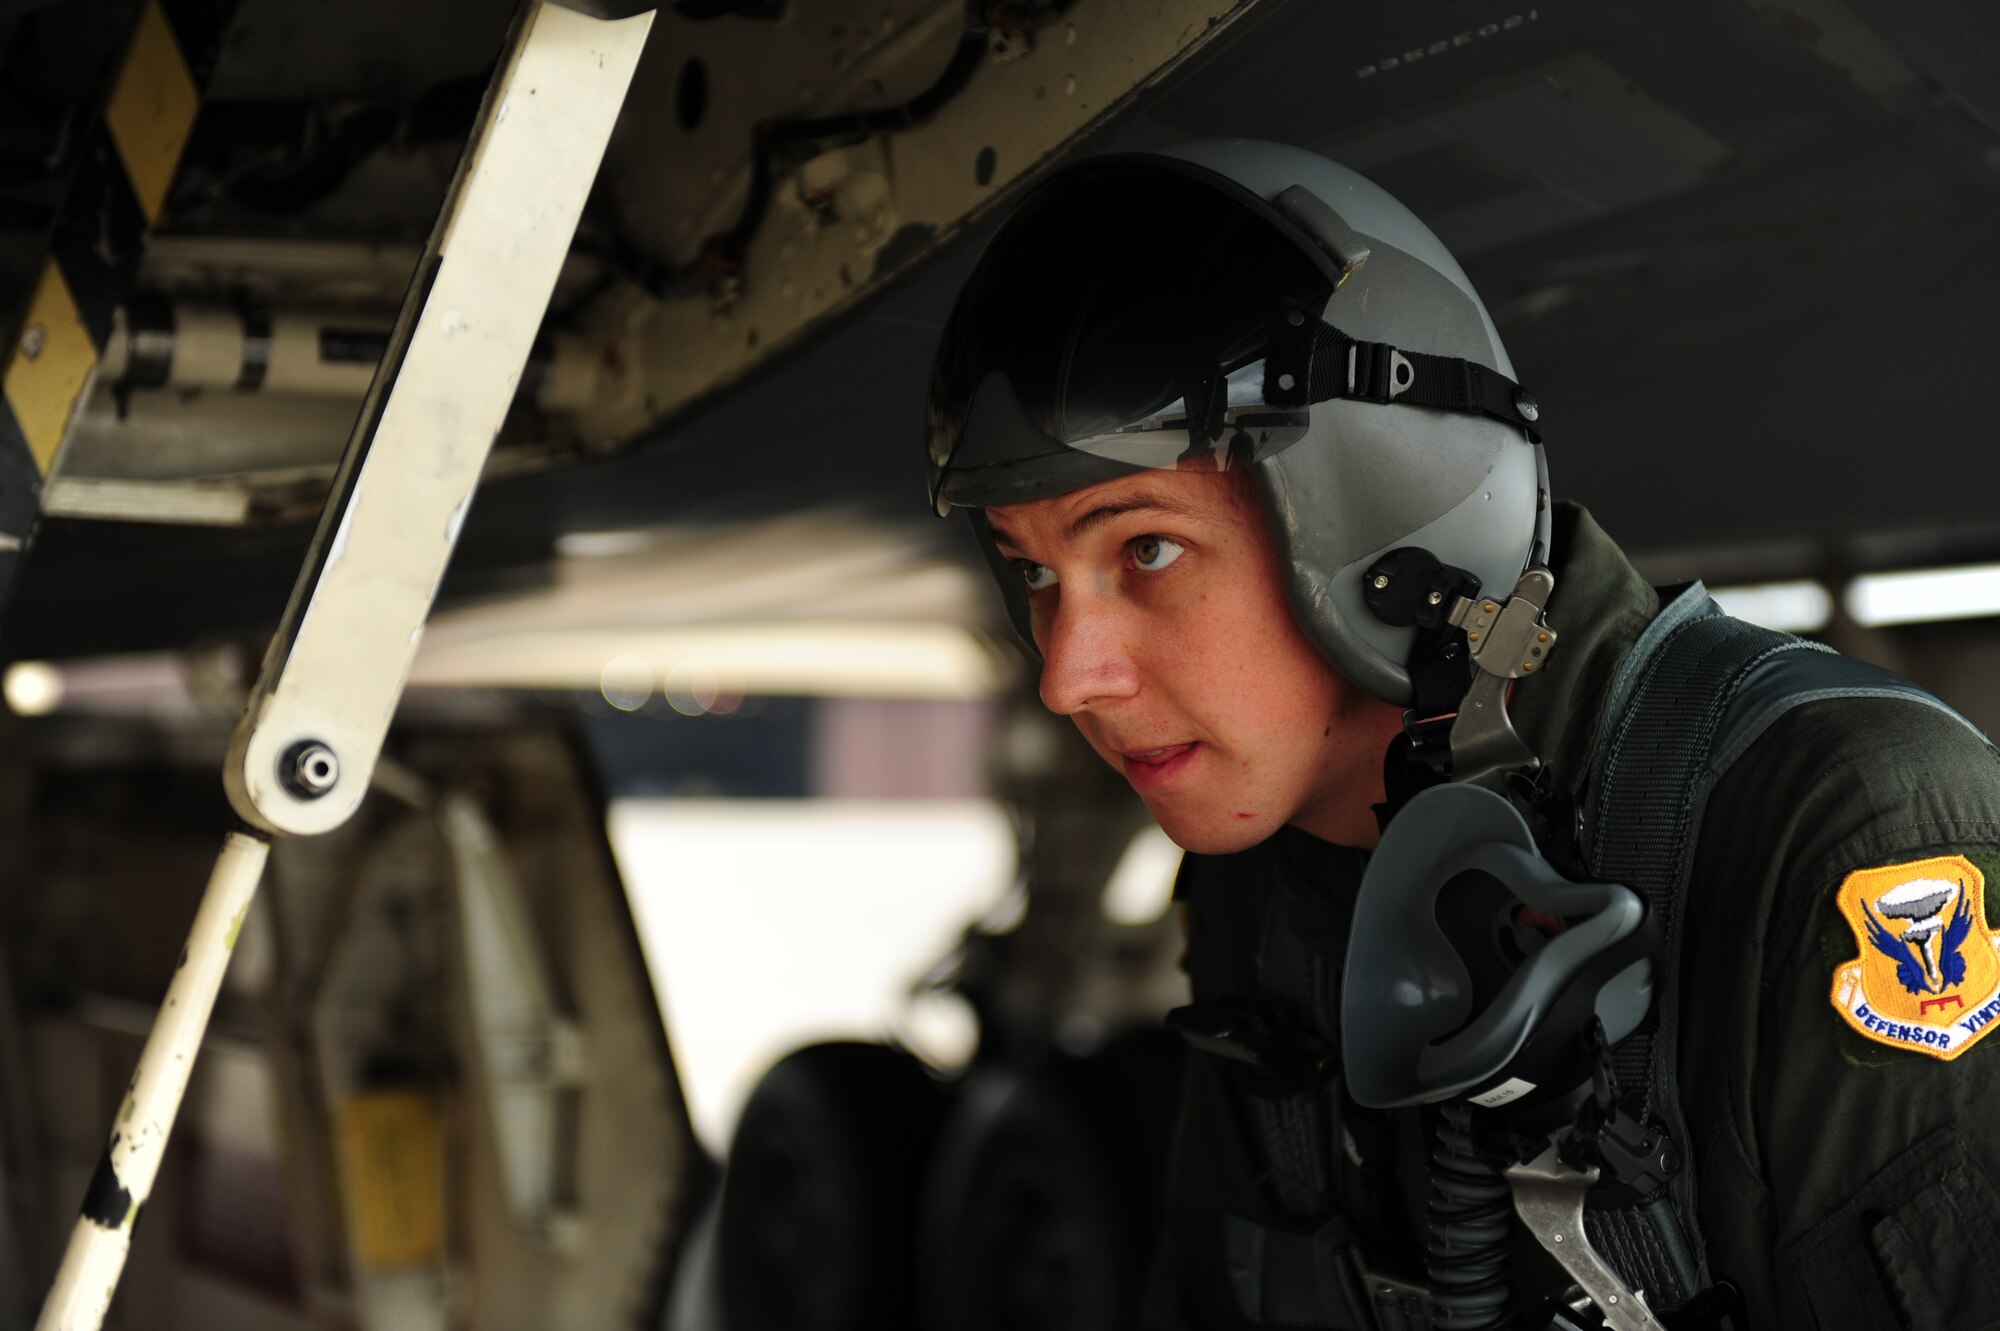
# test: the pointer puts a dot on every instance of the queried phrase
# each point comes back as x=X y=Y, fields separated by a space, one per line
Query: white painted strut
x=302 y=755
x=300 y=759
x=124 y=1178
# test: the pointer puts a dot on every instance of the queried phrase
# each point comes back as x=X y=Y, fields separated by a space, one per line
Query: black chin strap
x=1410 y=587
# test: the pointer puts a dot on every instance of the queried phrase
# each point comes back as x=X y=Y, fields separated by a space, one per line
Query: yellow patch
x=1928 y=977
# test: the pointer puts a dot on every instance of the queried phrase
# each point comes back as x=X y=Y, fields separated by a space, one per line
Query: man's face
x=1160 y=613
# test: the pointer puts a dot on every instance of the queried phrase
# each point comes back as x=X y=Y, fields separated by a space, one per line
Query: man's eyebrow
x=1093 y=518
x=1142 y=502
x=1000 y=535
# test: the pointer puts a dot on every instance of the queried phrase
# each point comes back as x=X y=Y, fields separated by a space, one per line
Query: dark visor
x=1138 y=315
x=1144 y=313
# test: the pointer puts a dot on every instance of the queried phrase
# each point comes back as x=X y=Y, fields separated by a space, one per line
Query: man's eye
x=1037 y=576
x=1154 y=553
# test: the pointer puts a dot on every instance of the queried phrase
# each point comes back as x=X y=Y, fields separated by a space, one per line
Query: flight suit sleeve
x=1842 y=967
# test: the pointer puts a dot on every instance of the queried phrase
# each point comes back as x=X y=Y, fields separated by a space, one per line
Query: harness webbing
x=1696 y=690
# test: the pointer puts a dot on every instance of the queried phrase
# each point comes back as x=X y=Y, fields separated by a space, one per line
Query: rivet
x=1541 y=637
x=1436 y=598
x=33 y=340
x=1489 y=607
x=1559 y=1238
x=1524 y=402
x=1527 y=665
x=1381 y=581
x=1473 y=636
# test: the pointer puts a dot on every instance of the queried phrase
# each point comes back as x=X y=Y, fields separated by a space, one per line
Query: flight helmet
x=1232 y=303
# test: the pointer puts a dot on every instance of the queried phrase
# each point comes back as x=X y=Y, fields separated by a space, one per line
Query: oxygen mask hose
x=1469 y=1214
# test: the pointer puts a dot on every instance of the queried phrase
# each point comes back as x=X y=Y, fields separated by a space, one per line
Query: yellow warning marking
x=49 y=367
x=392 y=1159
x=152 y=109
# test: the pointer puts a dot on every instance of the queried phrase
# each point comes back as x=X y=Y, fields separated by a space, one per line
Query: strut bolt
x=1524 y=402
x=1559 y=1238
x=1437 y=598
x=1381 y=581
x=309 y=769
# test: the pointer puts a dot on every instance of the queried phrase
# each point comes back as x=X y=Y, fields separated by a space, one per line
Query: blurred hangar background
x=716 y=748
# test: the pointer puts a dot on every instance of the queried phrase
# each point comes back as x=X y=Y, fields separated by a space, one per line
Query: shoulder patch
x=1928 y=977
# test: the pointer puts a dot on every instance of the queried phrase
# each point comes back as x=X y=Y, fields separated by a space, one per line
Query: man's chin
x=1208 y=835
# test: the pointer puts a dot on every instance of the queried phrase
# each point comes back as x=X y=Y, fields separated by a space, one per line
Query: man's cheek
x=1088 y=731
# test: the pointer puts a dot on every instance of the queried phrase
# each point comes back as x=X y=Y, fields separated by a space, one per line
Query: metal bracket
x=1548 y=1195
x=1509 y=640
x=336 y=666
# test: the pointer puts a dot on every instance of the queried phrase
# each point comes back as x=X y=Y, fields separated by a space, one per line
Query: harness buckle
x=1633 y=1160
x=1284 y=1054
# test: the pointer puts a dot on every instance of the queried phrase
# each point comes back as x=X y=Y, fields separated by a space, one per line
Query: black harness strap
x=1696 y=691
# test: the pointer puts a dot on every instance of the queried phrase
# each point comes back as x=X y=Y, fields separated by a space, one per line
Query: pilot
x=1660 y=914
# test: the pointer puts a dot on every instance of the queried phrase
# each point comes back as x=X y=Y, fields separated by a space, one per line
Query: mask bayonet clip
x=1509 y=640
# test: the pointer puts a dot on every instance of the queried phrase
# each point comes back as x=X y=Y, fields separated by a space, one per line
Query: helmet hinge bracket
x=1335 y=238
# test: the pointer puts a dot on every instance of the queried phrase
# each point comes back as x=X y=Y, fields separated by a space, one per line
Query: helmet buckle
x=1378 y=372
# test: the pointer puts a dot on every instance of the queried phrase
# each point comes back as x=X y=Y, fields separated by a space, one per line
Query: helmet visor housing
x=1144 y=314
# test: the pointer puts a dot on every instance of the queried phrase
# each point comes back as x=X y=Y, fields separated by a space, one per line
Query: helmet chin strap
x=1469 y=649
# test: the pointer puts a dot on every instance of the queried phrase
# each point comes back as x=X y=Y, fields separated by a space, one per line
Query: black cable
x=772 y=137
x=722 y=254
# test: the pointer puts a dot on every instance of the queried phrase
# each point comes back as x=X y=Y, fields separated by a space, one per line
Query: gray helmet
x=1235 y=303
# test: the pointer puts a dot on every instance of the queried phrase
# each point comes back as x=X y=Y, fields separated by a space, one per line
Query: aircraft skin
x=1735 y=250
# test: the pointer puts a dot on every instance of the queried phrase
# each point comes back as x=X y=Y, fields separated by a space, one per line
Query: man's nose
x=1086 y=659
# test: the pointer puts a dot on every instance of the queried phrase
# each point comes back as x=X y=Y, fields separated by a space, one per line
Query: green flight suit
x=1843 y=1184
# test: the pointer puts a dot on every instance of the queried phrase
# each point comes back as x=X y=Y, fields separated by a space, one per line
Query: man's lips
x=1159 y=754
x=1153 y=766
